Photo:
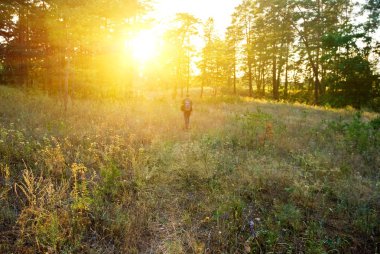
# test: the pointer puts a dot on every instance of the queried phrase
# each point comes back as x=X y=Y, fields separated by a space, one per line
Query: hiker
x=187 y=107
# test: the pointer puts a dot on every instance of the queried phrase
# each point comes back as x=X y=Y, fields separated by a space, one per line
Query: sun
x=143 y=46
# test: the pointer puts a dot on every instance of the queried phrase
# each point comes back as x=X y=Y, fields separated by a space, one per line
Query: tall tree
x=232 y=43
x=207 y=53
x=186 y=28
x=276 y=35
x=244 y=18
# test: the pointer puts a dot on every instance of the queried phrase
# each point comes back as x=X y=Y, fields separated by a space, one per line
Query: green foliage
x=363 y=137
x=254 y=128
x=375 y=123
x=289 y=216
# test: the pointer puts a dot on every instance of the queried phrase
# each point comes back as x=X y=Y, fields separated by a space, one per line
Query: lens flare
x=143 y=46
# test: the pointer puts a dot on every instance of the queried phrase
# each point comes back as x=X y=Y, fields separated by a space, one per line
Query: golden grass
x=124 y=177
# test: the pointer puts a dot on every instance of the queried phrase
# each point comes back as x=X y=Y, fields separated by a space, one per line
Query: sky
x=220 y=10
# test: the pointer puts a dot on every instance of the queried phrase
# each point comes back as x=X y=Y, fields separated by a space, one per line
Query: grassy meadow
x=124 y=177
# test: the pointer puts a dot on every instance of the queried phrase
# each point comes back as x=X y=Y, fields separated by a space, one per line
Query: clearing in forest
x=248 y=177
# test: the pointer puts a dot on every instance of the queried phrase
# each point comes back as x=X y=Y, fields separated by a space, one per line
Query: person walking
x=187 y=108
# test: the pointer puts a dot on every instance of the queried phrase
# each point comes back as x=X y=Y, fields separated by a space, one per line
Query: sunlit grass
x=123 y=176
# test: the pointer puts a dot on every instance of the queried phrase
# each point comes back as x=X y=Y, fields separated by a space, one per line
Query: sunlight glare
x=144 y=46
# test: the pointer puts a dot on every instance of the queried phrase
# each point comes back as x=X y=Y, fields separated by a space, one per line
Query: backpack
x=186 y=105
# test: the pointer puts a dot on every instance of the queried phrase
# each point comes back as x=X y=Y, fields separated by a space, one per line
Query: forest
x=313 y=52
x=280 y=154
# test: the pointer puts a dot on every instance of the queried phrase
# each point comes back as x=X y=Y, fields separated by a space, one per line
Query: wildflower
x=252 y=228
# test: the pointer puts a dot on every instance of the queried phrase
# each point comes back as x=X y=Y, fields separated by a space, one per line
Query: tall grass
x=123 y=177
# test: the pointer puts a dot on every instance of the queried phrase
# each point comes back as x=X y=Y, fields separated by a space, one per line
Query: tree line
x=65 y=45
x=315 y=51
x=318 y=52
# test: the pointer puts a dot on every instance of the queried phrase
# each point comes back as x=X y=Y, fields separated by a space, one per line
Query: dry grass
x=123 y=177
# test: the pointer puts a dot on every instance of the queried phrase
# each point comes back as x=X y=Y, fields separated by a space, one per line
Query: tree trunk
x=21 y=72
x=286 y=71
x=257 y=78
x=263 y=82
x=314 y=66
x=250 y=78
x=278 y=81
x=188 y=72
x=317 y=85
x=316 y=88
x=274 y=75
x=204 y=77
x=202 y=85
x=235 y=78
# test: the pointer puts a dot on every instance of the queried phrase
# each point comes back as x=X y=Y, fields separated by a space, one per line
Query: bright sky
x=220 y=10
